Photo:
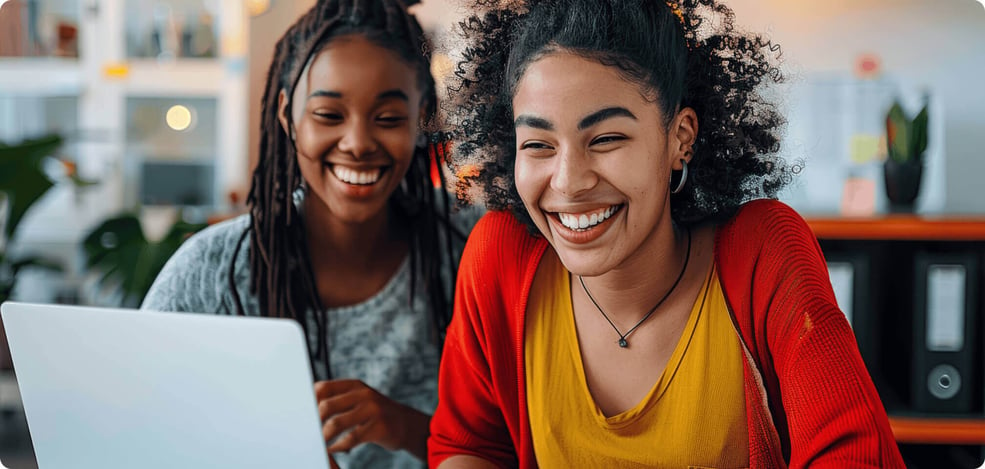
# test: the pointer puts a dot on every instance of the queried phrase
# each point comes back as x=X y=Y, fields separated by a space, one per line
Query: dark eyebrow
x=531 y=121
x=324 y=94
x=389 y=94
x=601 y=115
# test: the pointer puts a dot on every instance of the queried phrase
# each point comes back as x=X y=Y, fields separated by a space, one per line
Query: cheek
x=525 y=180
x=400 y=144
x=532 y=178
x=312 y=142
x=312 y=172
x=644 y=178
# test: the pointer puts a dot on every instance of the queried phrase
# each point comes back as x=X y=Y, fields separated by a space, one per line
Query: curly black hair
x=686 y=54
x=281 y=276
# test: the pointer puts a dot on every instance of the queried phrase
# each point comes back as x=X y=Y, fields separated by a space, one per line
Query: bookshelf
x=887 y=317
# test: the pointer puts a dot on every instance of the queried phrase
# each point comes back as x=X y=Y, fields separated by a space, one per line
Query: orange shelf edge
x=938 y=431
x=899 y=227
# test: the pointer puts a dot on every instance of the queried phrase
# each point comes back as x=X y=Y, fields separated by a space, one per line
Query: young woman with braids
x=628 y=303
x=346 y=233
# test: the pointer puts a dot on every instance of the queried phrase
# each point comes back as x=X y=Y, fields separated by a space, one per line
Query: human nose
x=357 y=140
x=573 y=173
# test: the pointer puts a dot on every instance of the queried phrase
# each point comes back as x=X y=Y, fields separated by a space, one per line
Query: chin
x=580 y=264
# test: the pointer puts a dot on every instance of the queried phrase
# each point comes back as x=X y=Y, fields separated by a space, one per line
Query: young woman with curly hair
x=346 y=233
x=638 y=299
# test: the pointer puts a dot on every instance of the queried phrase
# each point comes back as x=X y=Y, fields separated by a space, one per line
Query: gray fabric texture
x=384 y=341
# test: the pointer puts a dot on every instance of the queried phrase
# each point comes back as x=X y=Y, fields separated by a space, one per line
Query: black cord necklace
x=622 y=337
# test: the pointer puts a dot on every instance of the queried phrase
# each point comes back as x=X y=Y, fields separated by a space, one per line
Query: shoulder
x=500 y=239
x=218 y=239
x=765 y=246
x=196 y=275
x=769 y=258
x=764 y=224
x=500 y=256
x=753 y=216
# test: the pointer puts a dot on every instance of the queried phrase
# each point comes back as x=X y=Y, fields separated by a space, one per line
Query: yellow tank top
x=694 y=416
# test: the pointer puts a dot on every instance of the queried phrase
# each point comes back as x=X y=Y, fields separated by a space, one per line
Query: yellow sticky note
x=865 y=148
x=116 y=70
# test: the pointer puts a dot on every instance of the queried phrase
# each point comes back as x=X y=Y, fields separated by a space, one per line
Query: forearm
x=416 y=441
x=466 y=462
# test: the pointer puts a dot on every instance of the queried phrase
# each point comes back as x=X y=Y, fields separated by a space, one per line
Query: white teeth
x=585 y=221
x=352 y=176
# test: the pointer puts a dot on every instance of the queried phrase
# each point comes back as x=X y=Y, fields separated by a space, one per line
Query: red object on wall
x=437 y=152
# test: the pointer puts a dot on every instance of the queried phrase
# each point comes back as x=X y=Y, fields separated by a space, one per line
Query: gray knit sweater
x=384 y=341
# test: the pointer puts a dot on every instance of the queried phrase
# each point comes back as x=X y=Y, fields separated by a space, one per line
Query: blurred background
x=125 y=125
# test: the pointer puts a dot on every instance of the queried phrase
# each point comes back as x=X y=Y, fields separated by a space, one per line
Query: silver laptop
x=111 y=388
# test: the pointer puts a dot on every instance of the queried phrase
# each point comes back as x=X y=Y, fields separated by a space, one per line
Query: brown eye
x=391 y=120
x=535 y=146
x=328 y=116
x=603 y=139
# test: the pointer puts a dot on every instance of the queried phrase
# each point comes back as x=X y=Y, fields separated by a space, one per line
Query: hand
x=365 y=415
x=331 y=463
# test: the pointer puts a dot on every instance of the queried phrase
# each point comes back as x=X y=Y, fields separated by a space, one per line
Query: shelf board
x=188 y=77
x=938 y=430
x=40 y=76
x=900 y=227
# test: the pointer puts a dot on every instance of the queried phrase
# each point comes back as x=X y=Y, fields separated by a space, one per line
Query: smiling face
x=593 y=162
x=356 y=113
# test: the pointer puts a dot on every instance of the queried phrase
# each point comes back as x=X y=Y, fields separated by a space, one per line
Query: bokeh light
x=179 y=117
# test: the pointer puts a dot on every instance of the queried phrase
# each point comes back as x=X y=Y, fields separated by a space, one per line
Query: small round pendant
x=623 y=343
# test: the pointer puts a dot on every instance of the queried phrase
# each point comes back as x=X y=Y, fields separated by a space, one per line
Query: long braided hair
x=281 y=274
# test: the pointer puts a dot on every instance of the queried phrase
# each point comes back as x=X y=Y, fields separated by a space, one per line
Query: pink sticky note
x=858 y=198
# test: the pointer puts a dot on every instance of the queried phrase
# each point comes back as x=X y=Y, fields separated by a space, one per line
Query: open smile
x=357 y=176
x=584 y=226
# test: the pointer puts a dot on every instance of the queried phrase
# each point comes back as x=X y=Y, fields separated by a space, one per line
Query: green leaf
x=129 y=263
x=6 y=288
x=897 y=126
x=919 y=131
x=22 y=177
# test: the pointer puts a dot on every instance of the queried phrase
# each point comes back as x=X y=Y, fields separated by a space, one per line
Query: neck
x=339 y=244
x=634 y=288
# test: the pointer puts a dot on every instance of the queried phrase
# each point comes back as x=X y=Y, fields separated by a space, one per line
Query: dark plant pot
x=902 y=184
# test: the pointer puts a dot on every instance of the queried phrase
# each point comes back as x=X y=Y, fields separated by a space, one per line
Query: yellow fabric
x=694 y=416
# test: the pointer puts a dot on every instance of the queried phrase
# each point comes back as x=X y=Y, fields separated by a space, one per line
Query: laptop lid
x=112 y=388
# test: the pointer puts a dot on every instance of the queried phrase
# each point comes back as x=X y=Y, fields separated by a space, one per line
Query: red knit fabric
x=822 y=411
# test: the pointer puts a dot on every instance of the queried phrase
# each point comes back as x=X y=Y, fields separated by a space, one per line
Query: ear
x=681 y=135
x=282 y=112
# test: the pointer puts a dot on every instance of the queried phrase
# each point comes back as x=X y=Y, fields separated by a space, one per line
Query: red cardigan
x=809 y=400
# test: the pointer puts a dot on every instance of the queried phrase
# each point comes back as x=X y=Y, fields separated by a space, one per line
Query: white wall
x=934 y=44
x=265 y=30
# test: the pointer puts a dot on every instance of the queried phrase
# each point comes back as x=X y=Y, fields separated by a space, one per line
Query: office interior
x=148 y=114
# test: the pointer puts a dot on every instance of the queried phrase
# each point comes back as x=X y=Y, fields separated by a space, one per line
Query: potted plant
x=906 y=142
x=125 y=260
x=22 y=183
